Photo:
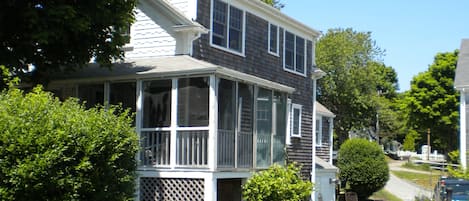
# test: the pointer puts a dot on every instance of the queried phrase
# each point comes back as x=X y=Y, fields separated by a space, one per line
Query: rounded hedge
x=362 y=166
x=277 y=184
x=53 y=150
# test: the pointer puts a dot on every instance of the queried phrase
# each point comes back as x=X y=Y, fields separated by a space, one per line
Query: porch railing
x=226 y=148
x=155 y=148
x=191 y=148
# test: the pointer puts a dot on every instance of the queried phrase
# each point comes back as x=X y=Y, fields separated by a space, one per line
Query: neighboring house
x=326 y=173
x=220 y=88
x=461 y=83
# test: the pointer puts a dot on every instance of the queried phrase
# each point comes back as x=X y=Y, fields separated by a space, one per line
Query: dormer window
x=227 y=27
x=294 y=54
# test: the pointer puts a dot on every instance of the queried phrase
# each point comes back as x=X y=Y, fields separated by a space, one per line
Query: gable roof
x=179 y=21
x=462 y=69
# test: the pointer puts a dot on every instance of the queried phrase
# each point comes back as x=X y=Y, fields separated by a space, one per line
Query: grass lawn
x=422 y=180
x=384 y=195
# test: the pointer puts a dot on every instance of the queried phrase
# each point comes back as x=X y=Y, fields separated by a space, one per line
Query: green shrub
x=362 y=167
x=277 y=184
x=52 y=150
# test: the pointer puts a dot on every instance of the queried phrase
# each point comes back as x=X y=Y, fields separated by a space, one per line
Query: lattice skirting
x=171 y=189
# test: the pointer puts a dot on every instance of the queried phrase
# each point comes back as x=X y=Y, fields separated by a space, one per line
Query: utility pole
x=428 y=144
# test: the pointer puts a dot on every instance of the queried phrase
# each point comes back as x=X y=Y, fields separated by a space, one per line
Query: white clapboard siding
x=180 y=5
x=148 y=39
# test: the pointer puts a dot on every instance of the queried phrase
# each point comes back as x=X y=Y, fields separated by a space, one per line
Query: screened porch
x=205 y=121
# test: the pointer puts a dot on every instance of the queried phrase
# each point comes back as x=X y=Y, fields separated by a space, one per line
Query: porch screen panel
x=245 y=110
x=156 y=103
x=279 y=127
x=123 y=93
x=226 y=123
x=264 y=128
x=193 y=101
x=93 y=94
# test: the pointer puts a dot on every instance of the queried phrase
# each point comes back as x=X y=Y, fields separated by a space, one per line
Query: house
x=220 y=88
x=461 y=83
x=325 y=172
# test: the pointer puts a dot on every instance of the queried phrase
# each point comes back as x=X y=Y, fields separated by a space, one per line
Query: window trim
x=305 y=54
x=300 y=108
x=278 y=40
x=227 y=29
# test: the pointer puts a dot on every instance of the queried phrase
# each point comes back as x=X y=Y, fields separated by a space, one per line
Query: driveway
x=403 y=189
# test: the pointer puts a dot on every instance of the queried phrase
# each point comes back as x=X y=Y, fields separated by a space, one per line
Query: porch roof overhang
x=323 y=111
x=162 y=67
x=323 y=165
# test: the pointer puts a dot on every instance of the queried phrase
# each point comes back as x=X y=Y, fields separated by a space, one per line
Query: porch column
x=174 y=112
x=213 y=117
x=210 y=188
x=462 y=130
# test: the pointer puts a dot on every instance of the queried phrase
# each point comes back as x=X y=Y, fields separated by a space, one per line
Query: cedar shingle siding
x=259 y=62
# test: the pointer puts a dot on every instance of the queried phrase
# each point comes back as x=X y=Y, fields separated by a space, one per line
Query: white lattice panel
x=171 y=189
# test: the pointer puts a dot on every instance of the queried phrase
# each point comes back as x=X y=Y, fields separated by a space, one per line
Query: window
x=318 y=130
x=227 y=27
x=264 y=128
x=294 y=53
x=273 y=39
x=295 y=118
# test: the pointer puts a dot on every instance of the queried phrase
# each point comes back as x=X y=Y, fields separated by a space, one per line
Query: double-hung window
x=295 y=120
x=294 y=53
x=318 y=130
x=227 y=27
x=273 y=39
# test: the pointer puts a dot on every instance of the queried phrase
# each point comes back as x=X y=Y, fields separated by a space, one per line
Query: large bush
x=53 y=150
x=277 y=184
x=362 y=166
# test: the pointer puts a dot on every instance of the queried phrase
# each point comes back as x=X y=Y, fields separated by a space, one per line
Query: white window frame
x=292 y=119
x=318 y=132
x=243 y=31
x=276 y=53
x=295 y=71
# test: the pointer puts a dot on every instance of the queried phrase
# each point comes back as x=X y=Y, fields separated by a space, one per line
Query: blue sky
x=411 y=31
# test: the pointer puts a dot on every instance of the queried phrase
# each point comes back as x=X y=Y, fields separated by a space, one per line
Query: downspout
x=315 y=75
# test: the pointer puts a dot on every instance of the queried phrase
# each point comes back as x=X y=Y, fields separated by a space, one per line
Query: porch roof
x=462 y=70
x=322 y=164
x=322 y=110
x=161 y=67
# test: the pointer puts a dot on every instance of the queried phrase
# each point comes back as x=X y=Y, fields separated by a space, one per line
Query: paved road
x=403 y=189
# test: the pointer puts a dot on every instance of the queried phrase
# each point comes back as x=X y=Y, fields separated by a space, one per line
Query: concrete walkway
x=403 y=189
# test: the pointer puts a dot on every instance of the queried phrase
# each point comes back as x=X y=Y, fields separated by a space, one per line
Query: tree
x=52 y=150
x=275 y=3
x=362 y=167
x=433 y=103
x=277 y=184
x=355 y=75
x=54 y=35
